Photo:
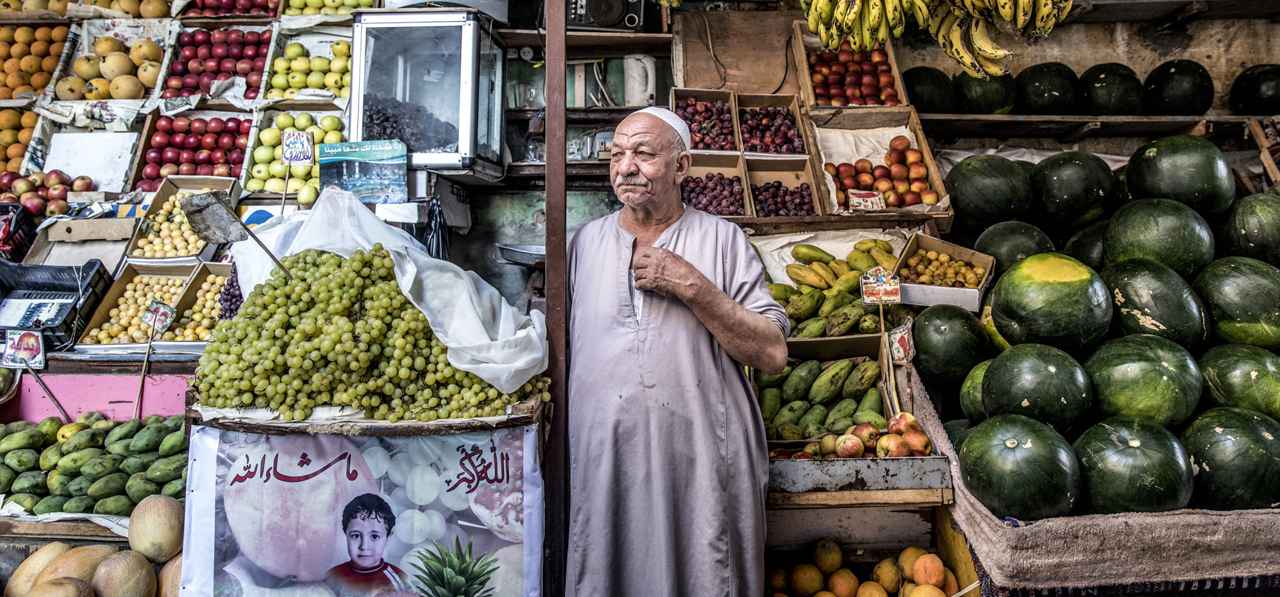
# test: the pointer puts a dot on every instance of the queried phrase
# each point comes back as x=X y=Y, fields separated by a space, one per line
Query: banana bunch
x=866 y=24
x=963 y=29
x=670 y=3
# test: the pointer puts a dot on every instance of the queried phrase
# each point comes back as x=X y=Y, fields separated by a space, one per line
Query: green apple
x=308 y=194
x=331 y=123
x=303 y=121
x=293 y=11
x=366 y=3
x=297 y=3
x=283 y=120
x=279 y=81
x=275 y=185
x=295 y=184
x=311 y=10
x=275 y=94
x=254 y=185
x=350 y=3
x=317 y=133
x=278 y=153
x=260 y=172
x=315 y=80
x=346 y=92
x=346 y=79
x=280 y=64
x=333 y=137
x=301 y=64
x=344 y=10
x=339 y=64
x=269 y=137
x=297 y=80
x=342 y=47
x=332 y=80
x=299 y=171
x=320 y=63
x=291 y=92
x=278 y=169
x=332 y=3
x=315 y=179
x=263 y=154
x=294 y=50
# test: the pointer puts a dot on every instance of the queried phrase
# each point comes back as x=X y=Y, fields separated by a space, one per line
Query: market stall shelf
x=1072 y=128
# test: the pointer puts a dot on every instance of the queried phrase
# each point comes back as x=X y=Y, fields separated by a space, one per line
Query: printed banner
x=338 y=516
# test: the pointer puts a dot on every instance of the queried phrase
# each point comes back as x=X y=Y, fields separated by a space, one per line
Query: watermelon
x=1086 y=244
x=1051 y=299
x=1121 y=175
x=1145 y=376
x=1251 y=228
x=978 y=96
x=1072 y=189
x=1256 y=91
x=971 y=393
x=1111 y=89
x=1037 y=381
x=1242 y=376
x=1235 y=454
x=1184 y=168
x=989 y=324
x=1020 y=468
x=1027 y=166
x=1150 y=298
x=1130 y=464
x=957 y=431
x=1161 y=230
x=987 y=189
x=1243 y=298
x=1047 y=88
x=1011 y=242
x=929 y=90
x=949 y=342
x=1177 y=88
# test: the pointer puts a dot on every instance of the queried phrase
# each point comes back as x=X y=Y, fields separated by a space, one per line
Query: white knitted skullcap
x=675 y=122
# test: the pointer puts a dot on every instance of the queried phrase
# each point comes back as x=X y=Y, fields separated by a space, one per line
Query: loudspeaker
x=616 y=15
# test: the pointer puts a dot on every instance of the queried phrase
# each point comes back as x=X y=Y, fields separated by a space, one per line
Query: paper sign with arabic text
x=880 y=287
x=159 y=316
x=23 y=348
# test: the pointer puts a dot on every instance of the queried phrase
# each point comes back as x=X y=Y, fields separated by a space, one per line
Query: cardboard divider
x=729 y=165
x=802 y=42
x=926 y=294
x=74 y=242
x=711 y=95
x=790 y=171
x=747 y=101
x=171 y=186
x=111 y=301
x=188 y=301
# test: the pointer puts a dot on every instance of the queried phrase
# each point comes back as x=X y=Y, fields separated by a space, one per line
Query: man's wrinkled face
x=645 y=162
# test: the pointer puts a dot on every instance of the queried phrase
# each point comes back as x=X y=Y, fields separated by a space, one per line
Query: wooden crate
x=149 y=129
x=923 y=294
x=747 y=101
x=860 y=118
x=729 y=164
x=703 y=95
x=791 y=171
x=802 y=42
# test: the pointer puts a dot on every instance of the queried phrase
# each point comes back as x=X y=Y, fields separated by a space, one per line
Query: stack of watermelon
x=1081 y=381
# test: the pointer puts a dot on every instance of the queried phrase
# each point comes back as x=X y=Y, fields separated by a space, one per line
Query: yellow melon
x=126 y=574
x=805 y=580
x=871 y=589
x=22 y=579
x=155 y=528
x=929 y=571
x=827 y=556
x=887 y=575
x=907 y=561
x=80 y=562
x=170 y=581
x=843 y=583
x=62 y=587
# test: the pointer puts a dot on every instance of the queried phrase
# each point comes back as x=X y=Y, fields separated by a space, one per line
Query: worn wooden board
x=867 y=528
x=753 y=46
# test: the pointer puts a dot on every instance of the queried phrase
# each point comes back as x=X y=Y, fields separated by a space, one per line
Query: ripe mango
x=807 y=254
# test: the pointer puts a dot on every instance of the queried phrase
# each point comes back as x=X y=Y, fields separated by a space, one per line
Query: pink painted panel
x=111 y=395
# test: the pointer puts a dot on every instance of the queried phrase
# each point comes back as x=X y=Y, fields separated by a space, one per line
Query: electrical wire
x=596 y=68
x=786 y=60
x=721 y=69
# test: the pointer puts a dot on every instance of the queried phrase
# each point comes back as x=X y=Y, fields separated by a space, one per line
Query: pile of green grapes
x=341 y=333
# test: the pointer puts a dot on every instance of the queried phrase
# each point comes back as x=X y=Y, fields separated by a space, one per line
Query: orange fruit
x=927 y=591
x=55 y=49
x=929 y=571
x=29 y=120
x=40 y=48
x=30 y=64
x=806 y=580
x=21 y=88
x=4 y=50
x=6 y=34
x=950 y=585
x=44 y=34
x=843 y=583
x=6 y=93
x=59 y=33
x=14 y=165
x=49 y=64
x=10 y=119
x=871 y=589
x=8 y=137
x=24 y=35
x=18 y=50
x=12 y=65
x=16 y=80
x=24 y=135
x=17 y=150
x=39 y=80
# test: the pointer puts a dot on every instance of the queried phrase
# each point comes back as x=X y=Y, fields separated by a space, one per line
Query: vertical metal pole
x=556 y=463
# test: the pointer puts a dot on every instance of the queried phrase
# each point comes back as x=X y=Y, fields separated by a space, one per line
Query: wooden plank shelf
x=100 y=364
x=1073 y=128
x=539 y=169
x=577 y=41
x=528 y=412
x=905 y=498
x=578 y=115
x=76 y=530
x=1112 y=11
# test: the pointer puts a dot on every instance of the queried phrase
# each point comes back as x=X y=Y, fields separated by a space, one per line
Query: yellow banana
x=1023 y=14
x=851 y=17
x=982 y=43
x=894 y=17
x=813 y=19
x=855 y=36
x=837 y=17
x=1044 y=13
x=960 y=46
x=875 y=14
x=823 y=36
x=868 y=32
x=921 y=12
x=1006 y=10
x=1063 y=10
x=828 y=9
x=937 y=15
x=992 y=66
x=882 y=34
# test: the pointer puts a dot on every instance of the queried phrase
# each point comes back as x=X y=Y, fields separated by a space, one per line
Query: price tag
x=902 y=344
x=299 y=148
x=880 y=287
x=158 y=315
x=864 y=200
x=20 y=346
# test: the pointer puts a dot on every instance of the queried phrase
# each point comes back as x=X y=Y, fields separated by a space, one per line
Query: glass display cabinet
x=432 y=78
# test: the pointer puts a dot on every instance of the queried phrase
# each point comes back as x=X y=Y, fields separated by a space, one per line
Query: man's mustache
x=638 y=181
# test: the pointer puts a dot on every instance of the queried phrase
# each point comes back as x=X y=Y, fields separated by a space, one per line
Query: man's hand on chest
x=661 y=271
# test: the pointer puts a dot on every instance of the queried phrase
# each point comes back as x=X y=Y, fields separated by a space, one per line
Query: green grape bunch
x=341 y=333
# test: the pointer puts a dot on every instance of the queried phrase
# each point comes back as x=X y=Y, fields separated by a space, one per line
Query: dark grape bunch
x=710 y=124
x=770 y=130
x=413 y=125
x=715 y=194
x=230 y=298
x=775 y=200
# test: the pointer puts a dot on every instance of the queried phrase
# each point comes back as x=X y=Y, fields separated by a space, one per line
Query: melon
x=155 y=528
x=1256 y=91
x=1011 y=242
x=1086 y=245
x=1130 y=464
x=1235 y=455
x=126 y=574
x=80 y=562
x=987 y=189
x=1121 y=175
x=1020 y=468
x=21 y=580
x=1051 y=299
x=126 y=87
x=1251 y=228
x=1243 y=376
x=263 y=515
x=1163 y=231
x=994 y=95
x=169 y=584
x=929 y=90
x=1037 y=381
x=1150 y=298
x=949 y=343
x=1145 y=376
x=1184 y=168
x=1047 y=88
x=1072 y=189
x=1111 y=89
x=1177 y=88
x=1243 y=299
x=63 y=587
x=971 y=393
x=1027 y=166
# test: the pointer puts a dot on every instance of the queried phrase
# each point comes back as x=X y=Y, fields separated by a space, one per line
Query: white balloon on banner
x=424 y=449
x=401 y=465
x=423 y=485
x=413 y=527
x=378 y=459
x=437 y=525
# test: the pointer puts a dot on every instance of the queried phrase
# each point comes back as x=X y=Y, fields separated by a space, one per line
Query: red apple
x=870 y=92
x=206 y=81
x=897 y=171
x=918 y=185
x=885 y=79
x=57 y=201
x=838 y=68
x=880 y=172
x=243 y=67
x=211 y=65
x=917 y=171
x=862 y=166
x=903 y=422
x=174 y=82
x=168 y=93
x=204 y=170
x=160 y=139
x=236 y=170
x=164 y=123
x=265 y=38
x=250 y=52
x=232 y=125
x=900 y=143
x=848 y=446
x=260 y=63
x=235 y=51
x=178 y=140
x=917 y=441
x=929 y=197
x=901 y=186
x=186 y=169
x=867 y=67
x=55 y=177
x=168 y=170
x=225 y=141
x=866 y=181
x=820 y=91
x=190 y=81
x=8 y=198
x=857 y=101
x=873 y=101
x=204 y=52
x=848 y=182
x=868 y=81
x=235 y=36
x=242 y=142
x=187 y=155
x=215 y=125
x=893 y=199
x=170 y=155
x=251 y=38
x=219 y=36
x=867 y=433
x=198 y=126
x=882 y=185
x=36 y=178
x=33 y=203
x=838 y=101
x=224 y=76
x=151 y=171
x=253 y=79
x=235 y=156
x=912 y=156
x=246 y=125
x=219 y=51
x=835 y=92
x=187 y=54
x=186 y=38
x=200 y=37
x=882 y=67
x=910 y=198
x=6 y=180
x=204 y=156
x=222 y=170
x=191 y=141
x=879 y=55
x=195 y=66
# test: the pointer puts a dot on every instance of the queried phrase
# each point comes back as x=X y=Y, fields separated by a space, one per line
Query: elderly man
x=668 y=462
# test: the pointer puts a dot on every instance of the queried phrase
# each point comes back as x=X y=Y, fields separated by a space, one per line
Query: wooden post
x=556 y=456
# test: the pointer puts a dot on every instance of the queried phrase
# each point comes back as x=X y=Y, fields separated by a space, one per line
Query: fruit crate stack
x=877 y=81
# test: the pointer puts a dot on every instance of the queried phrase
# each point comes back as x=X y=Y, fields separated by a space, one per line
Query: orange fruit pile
x=29 y=55
x=16 y=129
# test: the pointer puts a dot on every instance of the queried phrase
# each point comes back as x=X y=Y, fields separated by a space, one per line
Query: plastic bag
x=485 y=335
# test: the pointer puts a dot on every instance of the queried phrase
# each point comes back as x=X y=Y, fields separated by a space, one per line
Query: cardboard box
x=728 y=164
x=802 y=42
x=748 y=101
x=169 y=188
x=75 y=241
x=923 y=294
x=790 y=171
x=111 y=300
x=710 y=95
x=188 y=300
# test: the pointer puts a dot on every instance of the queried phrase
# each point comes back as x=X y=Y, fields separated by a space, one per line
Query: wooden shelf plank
x=96 y=364
x=524 y=413
x=539 y=169
x=1073 y=128
x=68 y=529
x=588 y=39
x=578 y=115
x=847 y=499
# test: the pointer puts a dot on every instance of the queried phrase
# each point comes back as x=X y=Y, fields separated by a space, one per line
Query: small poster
x=374 y=171
x=879 y=287
x=158 y=315
x=298 y=148
x=902 y=344
x=23 y=348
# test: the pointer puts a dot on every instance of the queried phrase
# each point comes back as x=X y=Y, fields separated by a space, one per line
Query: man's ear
x=684 y=163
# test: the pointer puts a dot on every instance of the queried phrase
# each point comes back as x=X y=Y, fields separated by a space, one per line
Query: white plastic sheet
x=485 y=335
